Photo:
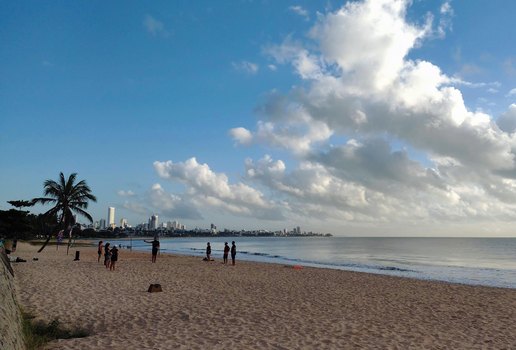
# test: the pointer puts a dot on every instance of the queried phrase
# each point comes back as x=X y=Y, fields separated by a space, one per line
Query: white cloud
x=446 y=12
x=507 y=121
x=511 y=93
x=246 y=66
x=241 y=136
x=154 y=26
x=171 y=205
x=299 y=10
x=127 y=193
x=207 y=189
x=358 y=84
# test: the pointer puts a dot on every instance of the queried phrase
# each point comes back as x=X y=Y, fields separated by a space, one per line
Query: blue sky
x=366 y=118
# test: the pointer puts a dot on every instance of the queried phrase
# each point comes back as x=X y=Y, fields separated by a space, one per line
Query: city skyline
x=368 y=118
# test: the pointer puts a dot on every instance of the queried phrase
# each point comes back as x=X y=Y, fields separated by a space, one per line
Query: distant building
x=111 y=217
x=153 y=224
x=102 y=224
x=123 y=223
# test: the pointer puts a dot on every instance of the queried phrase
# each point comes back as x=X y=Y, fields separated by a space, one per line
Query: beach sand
x=208 y=305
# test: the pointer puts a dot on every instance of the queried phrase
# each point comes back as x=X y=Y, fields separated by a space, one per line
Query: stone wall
x=11 y=336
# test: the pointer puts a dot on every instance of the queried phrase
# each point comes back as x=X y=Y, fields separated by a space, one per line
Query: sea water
x=476 y=261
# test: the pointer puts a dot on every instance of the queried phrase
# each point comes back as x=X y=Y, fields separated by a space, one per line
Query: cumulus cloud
x=154 y=26
x=171 y=205
x=371 y=135
x=511 y=93
x=241 y=135
x=507 y=121
x=158 y=200
x=246 y=67
x=359 y=92
x=207 y=189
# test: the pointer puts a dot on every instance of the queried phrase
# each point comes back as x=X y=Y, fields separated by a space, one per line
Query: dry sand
x=208 y=305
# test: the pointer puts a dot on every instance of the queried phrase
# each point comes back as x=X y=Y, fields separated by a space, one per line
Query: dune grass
x=38 y=333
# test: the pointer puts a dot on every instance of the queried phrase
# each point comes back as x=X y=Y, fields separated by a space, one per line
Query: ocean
x=474 y=261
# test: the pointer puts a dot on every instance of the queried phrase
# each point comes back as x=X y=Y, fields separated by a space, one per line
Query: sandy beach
x=208 y=305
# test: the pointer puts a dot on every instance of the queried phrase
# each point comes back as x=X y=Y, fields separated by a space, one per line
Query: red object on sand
x=298 y=267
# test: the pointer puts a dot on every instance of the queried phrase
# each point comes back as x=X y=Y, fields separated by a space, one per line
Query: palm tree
x=68 y=198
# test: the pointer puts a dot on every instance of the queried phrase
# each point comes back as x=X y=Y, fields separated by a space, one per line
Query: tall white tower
x=111 y=217
x=154 y=222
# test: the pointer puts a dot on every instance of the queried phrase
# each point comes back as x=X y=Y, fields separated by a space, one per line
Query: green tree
x=68 y=198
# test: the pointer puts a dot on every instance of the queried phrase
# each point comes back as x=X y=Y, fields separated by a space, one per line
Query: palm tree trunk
x=45 y=244
x=69 y=241
x=50 y=236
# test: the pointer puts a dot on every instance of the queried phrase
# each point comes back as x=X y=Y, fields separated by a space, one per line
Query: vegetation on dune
x=38 y=333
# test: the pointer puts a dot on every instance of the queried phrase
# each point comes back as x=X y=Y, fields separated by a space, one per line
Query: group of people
x=110 y=255
x=227 y=250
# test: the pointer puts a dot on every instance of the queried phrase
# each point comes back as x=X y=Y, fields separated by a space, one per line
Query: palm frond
x=83 y=213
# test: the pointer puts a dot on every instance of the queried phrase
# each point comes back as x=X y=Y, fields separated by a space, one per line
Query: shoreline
x=255 y=305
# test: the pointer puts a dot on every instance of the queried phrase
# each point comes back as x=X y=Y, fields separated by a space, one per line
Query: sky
x=360 y=118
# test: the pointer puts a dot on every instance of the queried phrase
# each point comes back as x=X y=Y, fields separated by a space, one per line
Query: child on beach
x=101 y=245
x=226 y=252
x=233 y=252
x=114 y=258
x=107 y=255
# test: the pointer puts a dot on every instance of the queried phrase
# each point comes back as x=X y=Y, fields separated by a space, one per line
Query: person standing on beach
x=226 y=252
x=155 y=248
x=107 y=255
x=101 y=245
x=114 y=258
x=208 y=252
x=233 y=253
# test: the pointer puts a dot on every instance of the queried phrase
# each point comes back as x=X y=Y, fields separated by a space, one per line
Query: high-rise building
x=111 y=217
x=154 y=222
x=123 y=223
x=102 y=224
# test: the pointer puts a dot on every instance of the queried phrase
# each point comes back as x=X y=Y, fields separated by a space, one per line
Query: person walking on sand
x=233 y=253
x=107 y=255
x=208 y=252
x=114 y=258
x=155 y=248
x=101 y=245
x=226 y=252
